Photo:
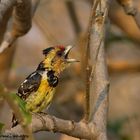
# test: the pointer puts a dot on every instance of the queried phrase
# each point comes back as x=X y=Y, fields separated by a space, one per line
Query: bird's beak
x=66 y=52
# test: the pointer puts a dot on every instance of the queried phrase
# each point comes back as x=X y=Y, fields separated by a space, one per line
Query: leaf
x=1 y=126
x=22 y=105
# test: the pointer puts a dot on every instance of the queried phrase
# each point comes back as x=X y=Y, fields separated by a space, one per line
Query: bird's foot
x=43 y=113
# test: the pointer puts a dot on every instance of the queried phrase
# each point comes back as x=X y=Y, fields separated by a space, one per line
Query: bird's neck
x=57 y=67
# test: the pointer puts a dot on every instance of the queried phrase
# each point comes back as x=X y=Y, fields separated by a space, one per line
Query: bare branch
x=98 y=77
x=35 y=4
x=88 y=65
x=131 y=9
x=6 y=57
x=5 y=5
x=74 y=18
x=21 y=24
x=51 y=123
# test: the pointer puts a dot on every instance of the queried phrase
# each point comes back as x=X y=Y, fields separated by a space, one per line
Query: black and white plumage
x=33 y=81
x=30 y=84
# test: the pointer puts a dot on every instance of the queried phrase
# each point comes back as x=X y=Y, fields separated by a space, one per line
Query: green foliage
x=116 y=126
x=1 y=88
x=22 y=105
x=1 y=126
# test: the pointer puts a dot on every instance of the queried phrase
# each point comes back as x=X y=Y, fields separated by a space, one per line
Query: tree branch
x=20 y=25
x=35 y=4
x=5 y=5
x=98 y=79
x=73 y=15
x=22 y=18
x=51 y=123
x=88 y=65
x=131 y=9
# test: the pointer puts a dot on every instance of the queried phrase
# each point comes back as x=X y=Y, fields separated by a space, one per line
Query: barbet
x=38 y=88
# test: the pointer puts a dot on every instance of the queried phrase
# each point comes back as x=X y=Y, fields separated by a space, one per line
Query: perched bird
x=38 y=88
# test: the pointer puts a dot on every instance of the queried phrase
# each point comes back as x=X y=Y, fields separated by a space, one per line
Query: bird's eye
x=59 y=53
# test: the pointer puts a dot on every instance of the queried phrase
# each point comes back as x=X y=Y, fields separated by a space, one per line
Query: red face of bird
x=57 y=57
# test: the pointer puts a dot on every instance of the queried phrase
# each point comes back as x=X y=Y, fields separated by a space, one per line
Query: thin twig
x=74 y=18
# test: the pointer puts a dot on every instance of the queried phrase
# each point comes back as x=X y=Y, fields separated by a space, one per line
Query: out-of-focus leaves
x=1 y=127
x=1 y=87
x=22 y=105
x=116 y=127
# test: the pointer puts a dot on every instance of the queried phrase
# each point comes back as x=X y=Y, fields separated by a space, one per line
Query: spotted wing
x=30 y=84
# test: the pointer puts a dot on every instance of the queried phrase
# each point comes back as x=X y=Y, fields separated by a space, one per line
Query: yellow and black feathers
x=38 y=88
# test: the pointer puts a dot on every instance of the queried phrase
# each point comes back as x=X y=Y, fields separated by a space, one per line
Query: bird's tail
x=14 y=121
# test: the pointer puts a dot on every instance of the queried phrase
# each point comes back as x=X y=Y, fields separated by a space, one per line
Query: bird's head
x=57 y=57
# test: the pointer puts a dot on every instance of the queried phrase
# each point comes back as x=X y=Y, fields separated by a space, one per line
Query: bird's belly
x=39 y=100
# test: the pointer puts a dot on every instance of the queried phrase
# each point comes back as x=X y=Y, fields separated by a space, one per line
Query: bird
x=38 y=89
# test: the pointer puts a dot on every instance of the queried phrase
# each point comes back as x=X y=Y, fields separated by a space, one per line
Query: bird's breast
x=39 y=100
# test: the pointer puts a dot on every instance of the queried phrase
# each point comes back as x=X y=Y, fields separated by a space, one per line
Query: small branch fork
x=21 y=19
x=131 y=9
